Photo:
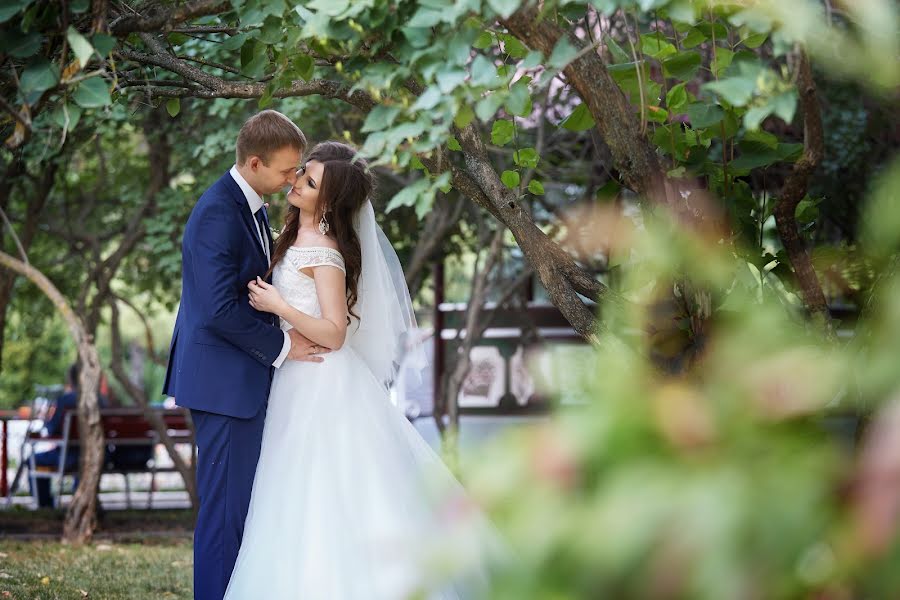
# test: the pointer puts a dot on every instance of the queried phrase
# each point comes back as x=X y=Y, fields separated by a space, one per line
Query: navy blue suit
x=220 y=366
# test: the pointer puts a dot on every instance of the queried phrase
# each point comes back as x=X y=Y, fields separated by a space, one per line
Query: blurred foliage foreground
x=727 y=480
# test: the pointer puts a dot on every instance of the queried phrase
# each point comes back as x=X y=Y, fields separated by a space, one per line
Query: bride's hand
x=265 y=297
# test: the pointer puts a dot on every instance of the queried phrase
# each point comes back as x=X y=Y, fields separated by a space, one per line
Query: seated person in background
x=54 y=428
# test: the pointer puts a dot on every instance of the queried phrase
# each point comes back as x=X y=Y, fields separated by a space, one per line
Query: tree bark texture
x=794 y=190
x=81 y=516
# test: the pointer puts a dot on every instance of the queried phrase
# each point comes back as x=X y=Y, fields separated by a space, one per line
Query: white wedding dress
x=349 y=502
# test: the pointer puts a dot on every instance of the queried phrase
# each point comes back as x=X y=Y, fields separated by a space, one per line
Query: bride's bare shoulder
x=322 y=240
x=316 y=240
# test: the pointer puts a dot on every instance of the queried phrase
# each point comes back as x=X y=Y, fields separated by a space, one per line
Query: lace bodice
x=299 y=289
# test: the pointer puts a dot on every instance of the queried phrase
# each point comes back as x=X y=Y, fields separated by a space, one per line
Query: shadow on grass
x=119 y=525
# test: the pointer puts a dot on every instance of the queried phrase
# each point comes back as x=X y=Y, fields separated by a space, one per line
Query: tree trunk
x=81 y=517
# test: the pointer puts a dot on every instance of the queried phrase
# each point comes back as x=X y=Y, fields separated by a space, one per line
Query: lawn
x=160 y=568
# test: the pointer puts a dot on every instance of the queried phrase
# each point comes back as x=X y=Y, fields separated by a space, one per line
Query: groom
x=224 y=352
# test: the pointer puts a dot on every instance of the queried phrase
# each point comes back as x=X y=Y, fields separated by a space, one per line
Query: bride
x=349 y=502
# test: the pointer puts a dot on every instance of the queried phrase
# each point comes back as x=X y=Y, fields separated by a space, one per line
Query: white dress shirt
x=256 y=203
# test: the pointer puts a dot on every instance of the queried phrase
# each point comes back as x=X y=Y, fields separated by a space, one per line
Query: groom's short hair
x=266 y=132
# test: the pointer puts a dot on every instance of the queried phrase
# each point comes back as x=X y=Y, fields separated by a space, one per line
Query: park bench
x=122 y=428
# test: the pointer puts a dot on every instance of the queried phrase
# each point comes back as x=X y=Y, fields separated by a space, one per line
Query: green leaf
x=656 y=46
x=504 y=8
x=536 y=187
x=374 y=144
x=510 y=179
x=488 y=105
x=464 y=116
x=79 y=6
x=563 y=52
x=303 y=65
x=92 y=93
x=881 y=220
x=681 y=11
x=682 y=66
x=409 y=195
x=272 y=30
x=756 y=151
x=756 y=115
x=331 y=8
x=253 y=59
x=694 y=38
x=704 y=115
x=483 y=71
x=173 y=106
x=176 y=39
x=426 y=17
x=676 y=98
x=722 y=61
x=807 y=210
x=502 y=132
x=526 y=158
x=40 y=75
x=579 y=120
x=64 y=110
x=428 y=100
x=235 y=41
x=784 y=105
x=626 y=76
x=380 y=117
x=407 y=131
x=453 y=144
x=619 y=55
x=761 y=138
x=20 y=45
x=737 y=91
x=449 y=80
x=103 y=44
x=755 y=159
x=512 y=46
x=755 y=41
x=790 y=152
x=671 y=140
x=519 y=101
x=532 y=59
x=10 y=8
x=80 y=46
x=657 y=114
x=483 y=40
x=709 y=29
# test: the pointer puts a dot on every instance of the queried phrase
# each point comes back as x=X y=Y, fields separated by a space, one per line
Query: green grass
x=104 y=570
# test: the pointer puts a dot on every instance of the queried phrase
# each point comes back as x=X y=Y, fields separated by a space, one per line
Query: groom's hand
x=303 y=349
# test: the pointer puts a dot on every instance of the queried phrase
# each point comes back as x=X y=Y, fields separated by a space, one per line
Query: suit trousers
x=228 y=450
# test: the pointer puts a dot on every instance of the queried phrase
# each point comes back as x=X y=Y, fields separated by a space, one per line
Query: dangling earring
x=323 y=225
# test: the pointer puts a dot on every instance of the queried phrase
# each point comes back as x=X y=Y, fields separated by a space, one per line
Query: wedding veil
x=386 y=323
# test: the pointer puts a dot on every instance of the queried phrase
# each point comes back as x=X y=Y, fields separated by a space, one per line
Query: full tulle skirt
x=349 y=502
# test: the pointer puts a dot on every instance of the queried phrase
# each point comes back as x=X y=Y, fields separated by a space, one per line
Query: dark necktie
x=263 y=224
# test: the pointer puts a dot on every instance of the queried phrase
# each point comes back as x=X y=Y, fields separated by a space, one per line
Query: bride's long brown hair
x=345 y=185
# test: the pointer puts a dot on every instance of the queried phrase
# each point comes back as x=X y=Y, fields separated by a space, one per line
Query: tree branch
x=633 y=154
x=159 y=19
x=794 y=190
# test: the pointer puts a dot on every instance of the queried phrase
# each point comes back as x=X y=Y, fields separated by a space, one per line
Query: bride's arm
x=331 y=329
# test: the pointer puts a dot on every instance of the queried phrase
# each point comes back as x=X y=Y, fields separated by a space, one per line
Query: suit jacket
x=222 y=351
